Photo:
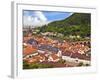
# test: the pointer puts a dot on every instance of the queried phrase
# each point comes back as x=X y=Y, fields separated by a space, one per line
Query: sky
x=39 y=18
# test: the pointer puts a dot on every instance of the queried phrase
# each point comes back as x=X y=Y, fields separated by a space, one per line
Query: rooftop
x=49 y=48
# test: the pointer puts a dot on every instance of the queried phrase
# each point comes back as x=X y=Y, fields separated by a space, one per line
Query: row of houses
x=41 y=49
x=42 y=53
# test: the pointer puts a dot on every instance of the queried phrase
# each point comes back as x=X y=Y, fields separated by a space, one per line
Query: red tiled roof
x=28 y=50
x=54 y=56
x=80 y=56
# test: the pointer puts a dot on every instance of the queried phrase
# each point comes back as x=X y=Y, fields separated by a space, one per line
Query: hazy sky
x=39 y=18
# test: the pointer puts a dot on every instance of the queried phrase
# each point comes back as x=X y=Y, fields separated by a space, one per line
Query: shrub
x=80 y=64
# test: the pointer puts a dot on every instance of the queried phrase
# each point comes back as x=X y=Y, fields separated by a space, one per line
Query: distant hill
x=76 y=24
x=74 y=19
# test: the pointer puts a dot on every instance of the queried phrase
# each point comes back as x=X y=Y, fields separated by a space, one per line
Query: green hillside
x=74 y=19
x=76 y=24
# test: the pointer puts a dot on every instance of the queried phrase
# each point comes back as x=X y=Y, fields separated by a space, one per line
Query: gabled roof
x=80 y=56
x=76 y=55
x=54 y=56
x=29 y=50
x=49 y=48
x=31 y=41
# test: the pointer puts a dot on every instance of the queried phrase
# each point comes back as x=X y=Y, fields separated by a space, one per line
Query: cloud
x=37 y=19
x=40 y=15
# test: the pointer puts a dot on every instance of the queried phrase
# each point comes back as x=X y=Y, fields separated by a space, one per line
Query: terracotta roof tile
x=28 y=50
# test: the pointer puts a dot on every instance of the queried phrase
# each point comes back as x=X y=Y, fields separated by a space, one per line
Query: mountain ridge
x=76 y=24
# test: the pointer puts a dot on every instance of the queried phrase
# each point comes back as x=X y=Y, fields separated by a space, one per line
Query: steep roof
x=49 y=48
x=29 y=50
x=54 y=56
x=31 y=41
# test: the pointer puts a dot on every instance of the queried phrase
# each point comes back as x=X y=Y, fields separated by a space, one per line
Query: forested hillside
x=76 y=24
